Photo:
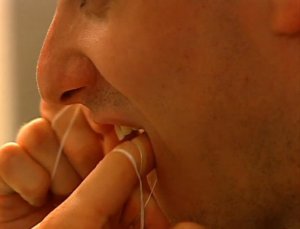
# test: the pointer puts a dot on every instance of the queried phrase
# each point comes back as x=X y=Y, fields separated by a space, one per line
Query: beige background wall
x=26 y=24
x=7 y=95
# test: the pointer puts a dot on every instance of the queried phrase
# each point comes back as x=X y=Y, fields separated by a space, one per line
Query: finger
x=4 y=188
x=12 y=207
x=23 y=174
x=41 y=143
x=81 y=144
x=110 y=139
x=104 y=192
x=15 y=212
x=154 y=217
x=132 y=213
x=188 y=226
x=49 y=111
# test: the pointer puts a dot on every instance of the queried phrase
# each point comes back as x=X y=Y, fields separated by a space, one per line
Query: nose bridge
x=59 y=58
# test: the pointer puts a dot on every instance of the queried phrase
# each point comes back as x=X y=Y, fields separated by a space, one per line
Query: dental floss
x=124 y=152
x=64 y=138
x=142 y=152
x=131 y=159
x=59 y=114
x=151 y=193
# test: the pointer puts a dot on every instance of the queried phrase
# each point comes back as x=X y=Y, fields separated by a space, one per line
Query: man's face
x=203 y=78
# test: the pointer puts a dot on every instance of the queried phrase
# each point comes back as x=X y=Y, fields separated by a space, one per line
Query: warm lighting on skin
x=7 y=89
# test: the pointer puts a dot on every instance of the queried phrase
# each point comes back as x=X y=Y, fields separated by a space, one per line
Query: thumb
x=188 y=226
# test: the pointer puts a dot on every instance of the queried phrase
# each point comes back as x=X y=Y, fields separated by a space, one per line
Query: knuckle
x=34 y=133
x=9 y=153
x=10 y=156
x=39 y=188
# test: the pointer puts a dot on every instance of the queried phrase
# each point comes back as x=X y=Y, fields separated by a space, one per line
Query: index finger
x=104 y=192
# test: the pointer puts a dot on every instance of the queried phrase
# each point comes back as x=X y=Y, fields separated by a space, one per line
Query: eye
x=82 y=3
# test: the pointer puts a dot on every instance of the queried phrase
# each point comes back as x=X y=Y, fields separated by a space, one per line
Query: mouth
x=113 y=128
x=114 y=134
x=126 y=133
x=124 y=129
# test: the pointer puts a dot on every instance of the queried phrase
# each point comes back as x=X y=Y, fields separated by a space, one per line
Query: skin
x=215 y=84
x=90 y=190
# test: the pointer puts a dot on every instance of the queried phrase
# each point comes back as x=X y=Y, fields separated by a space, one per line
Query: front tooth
x=123 y=131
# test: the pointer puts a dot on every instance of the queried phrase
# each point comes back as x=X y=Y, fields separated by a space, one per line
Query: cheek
x=156 y=63
x=137 y=65
x=142 y=53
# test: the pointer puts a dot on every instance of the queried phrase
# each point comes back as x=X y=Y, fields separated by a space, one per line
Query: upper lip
x=103 y=122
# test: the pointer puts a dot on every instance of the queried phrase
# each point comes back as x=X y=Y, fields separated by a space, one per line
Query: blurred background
x=23 y=26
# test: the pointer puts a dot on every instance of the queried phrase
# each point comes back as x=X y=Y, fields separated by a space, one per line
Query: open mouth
x=113 y=131
x=125 y=133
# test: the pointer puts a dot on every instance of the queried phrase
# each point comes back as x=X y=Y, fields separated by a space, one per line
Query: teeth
x=123 y=131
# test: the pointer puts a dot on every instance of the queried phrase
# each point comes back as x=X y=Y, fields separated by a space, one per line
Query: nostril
x=69 y=95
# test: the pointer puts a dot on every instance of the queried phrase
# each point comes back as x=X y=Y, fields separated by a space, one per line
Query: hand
x=27 y=191
x=108 y=198
x=25 y=182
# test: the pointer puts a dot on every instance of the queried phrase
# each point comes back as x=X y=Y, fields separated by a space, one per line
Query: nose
x=64 y=72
